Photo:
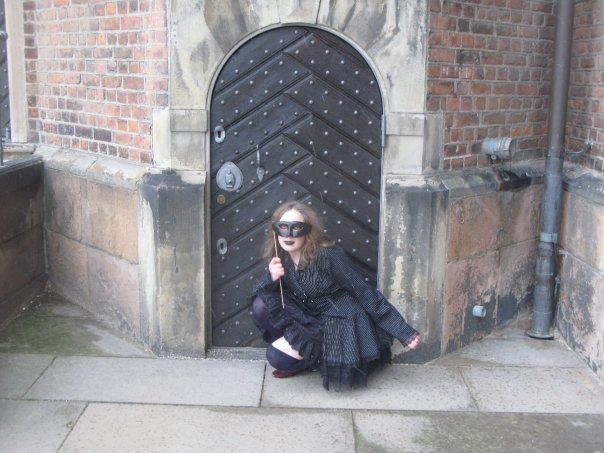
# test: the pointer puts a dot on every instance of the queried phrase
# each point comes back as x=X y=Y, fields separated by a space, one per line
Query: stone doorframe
x=392 y=36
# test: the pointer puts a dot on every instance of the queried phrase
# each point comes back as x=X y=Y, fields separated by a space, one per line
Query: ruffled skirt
x=344 y=349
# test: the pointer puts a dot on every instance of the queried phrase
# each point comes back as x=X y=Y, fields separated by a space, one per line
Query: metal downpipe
x=543 y=303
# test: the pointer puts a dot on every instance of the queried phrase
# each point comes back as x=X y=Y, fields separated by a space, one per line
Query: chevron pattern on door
x=296 y=113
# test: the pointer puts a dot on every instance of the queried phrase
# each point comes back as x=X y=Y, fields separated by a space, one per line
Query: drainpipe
x=550 y=209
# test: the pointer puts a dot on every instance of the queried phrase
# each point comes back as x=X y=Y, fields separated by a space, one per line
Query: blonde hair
x=315 y=240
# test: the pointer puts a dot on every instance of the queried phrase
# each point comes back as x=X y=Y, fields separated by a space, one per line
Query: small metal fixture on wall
x=499 y=148
x=479 y=311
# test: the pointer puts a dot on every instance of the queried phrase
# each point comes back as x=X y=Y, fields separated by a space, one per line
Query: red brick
x=441 y=87
x=494 y=118
x=466 y=119
x=525 y=89
x=442 y=55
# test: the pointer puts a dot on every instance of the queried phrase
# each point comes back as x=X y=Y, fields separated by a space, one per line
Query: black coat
x=336 y=321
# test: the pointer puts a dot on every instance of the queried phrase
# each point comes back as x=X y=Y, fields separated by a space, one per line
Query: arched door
x=296 y=114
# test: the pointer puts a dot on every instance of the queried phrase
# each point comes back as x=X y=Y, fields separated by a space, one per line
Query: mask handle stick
x=280 y=284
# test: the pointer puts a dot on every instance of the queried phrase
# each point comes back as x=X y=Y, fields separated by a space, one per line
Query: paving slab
x=52 y=304
x=143 y=428
x=396 y=387
x=19 y=371
x=57 y=327
x=516 y=351
x=36 y=426
x=474 y=432
x=543 y=390
x=159 y=381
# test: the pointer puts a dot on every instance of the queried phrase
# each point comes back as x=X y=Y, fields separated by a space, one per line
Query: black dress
x=338 y=323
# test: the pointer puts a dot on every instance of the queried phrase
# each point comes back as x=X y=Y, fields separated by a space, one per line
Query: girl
x=317 y=311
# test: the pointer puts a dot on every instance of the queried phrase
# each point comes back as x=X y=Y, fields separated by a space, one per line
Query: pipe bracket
x=548 y=237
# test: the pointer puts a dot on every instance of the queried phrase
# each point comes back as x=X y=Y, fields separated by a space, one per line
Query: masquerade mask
x=291 y=229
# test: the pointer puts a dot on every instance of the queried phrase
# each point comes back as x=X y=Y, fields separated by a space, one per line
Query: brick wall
x=489 y=71
x=585 y=120
x=95 y=71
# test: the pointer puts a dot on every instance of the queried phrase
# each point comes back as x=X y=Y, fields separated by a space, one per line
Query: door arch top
x=391 y=35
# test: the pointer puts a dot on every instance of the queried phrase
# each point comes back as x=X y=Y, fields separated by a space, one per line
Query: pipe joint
x=552 y=238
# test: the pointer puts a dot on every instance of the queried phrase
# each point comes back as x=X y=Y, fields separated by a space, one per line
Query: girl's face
x=291 y=244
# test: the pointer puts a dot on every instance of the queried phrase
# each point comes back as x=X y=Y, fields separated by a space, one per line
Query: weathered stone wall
x=127 y=243
x=462 y=240
x=22 y=266
x=91 y=222
x=580 y=314
x=491 y=256
x=390 y=34
x=172 y=248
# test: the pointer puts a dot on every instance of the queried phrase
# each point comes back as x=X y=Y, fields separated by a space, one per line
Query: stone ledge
x=465 y=183
x=586 y=183
x=94 y=167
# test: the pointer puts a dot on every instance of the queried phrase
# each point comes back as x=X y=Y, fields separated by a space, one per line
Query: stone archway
x=391 y=37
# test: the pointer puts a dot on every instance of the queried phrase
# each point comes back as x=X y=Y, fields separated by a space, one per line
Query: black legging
x=278 y=359
x=262 y=320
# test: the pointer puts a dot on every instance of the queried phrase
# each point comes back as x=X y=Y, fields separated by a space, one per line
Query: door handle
x=229 y=178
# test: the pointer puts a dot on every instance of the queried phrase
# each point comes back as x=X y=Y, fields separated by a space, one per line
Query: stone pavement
x=67 y=384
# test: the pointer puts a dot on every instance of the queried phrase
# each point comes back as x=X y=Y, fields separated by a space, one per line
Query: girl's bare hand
x=275 y=268
x=413 y=342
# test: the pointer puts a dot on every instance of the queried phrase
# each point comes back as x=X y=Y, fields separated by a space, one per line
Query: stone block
x=21 y=210
x=413 y=257
x=114 y=290
x=488 y=221
x=469 y=282
x=294 y=11
x=180 y=150
x=393 y=388
x=475 y=226
x=68 y=266
x=112 y=171
x=408 y=162
x=580 y=316
x=12 y=306
x=64 y=194
x=21 y=261
x=37 y=425
x=18 y=372
x=192 y=120
x=173 y=320
x=581 y=224
x=110 y=220
x=405 y=124
x=516 y=279
x=163 y=428
x=520 y=214
x=524 y=389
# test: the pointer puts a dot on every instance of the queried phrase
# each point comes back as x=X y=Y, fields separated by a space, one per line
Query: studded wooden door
x=295 y=114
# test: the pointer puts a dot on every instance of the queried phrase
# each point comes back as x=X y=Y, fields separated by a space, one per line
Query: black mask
x=291 y=229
